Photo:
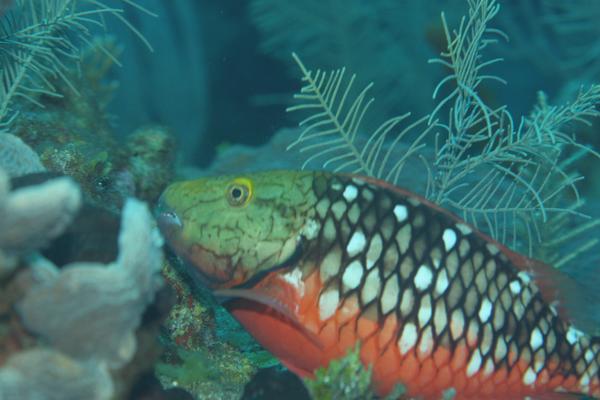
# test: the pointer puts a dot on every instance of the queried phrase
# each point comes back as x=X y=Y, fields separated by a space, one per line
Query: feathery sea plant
x=41 y=39
x=508 y=179
x=331 y=134
x=500 y=176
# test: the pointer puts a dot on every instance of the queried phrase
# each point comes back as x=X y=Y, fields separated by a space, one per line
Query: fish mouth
x=172 y=226
x=169 y=223
x=166 y=218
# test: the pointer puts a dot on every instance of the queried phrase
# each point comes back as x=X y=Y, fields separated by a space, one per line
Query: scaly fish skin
x=321 y=261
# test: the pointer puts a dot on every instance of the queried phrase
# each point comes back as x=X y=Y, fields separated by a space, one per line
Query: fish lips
x=171 y=227
x=168 y=221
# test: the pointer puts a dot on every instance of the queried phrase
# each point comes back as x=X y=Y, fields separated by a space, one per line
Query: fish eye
x=238 y=194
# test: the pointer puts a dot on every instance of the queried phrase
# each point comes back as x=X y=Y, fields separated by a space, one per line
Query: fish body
x=318 y=262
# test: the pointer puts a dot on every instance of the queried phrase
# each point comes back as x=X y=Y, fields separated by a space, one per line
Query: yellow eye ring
x=239 y=192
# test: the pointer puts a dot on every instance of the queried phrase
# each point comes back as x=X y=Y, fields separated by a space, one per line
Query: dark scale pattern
x=439 y=277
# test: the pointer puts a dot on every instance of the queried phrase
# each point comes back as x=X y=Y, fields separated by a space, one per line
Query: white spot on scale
x=414 y=201
x=515 y=287
x=424 y=313
x=371 y=287
x=457 y=324
x=573 y=334
x=464 y=228
x=408 y=338
x=338 y=208
x=442 y=282
x=485 y=310
x=353 y=274
x=440 y=316
x=536 y=339
x=294 y=278
x=311 y=229
x=389 y=298
x=423 y=278
x=331 y=264
x=354 y=214
x=488 y=368
x=474 y=363
x=589 y=355
x=426 y=343
x=328 y=303
x=401 y=212
x=537 y=366
x=525 y=277
x=374 y=251
x=492 y=248
x=329 y=230
x=449 y=238
x=367 y=194
x=407 y=302
x=350 y=193
x=529 y=377
x=585 y=380
x=356 y=244
x=501 y=349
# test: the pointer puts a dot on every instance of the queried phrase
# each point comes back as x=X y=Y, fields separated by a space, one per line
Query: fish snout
x=167 y=219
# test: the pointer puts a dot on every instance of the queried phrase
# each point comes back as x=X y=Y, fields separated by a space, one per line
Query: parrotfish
x=318 y=262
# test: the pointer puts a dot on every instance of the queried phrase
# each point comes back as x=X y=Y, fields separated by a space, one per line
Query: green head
x=232 y=227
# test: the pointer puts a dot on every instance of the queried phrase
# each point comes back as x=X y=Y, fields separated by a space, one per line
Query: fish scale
x=492 y=306
x=435 y=304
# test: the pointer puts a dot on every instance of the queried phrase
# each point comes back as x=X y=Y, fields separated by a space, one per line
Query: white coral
x=99 y=306
x=31 y=216
x=86 y=312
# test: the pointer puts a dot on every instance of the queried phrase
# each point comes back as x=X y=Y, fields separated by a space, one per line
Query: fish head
x=231 y=229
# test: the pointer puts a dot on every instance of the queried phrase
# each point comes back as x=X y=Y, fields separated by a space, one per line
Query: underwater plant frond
x=505 y=178
x=40 y=40
x=332 y=132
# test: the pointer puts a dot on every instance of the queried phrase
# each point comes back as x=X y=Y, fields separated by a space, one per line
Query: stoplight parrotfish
x=316 y=262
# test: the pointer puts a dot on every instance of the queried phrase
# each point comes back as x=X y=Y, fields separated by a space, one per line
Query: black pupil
x=236 y=193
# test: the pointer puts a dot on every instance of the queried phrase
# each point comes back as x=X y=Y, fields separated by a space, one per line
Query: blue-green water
x=494 y=106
